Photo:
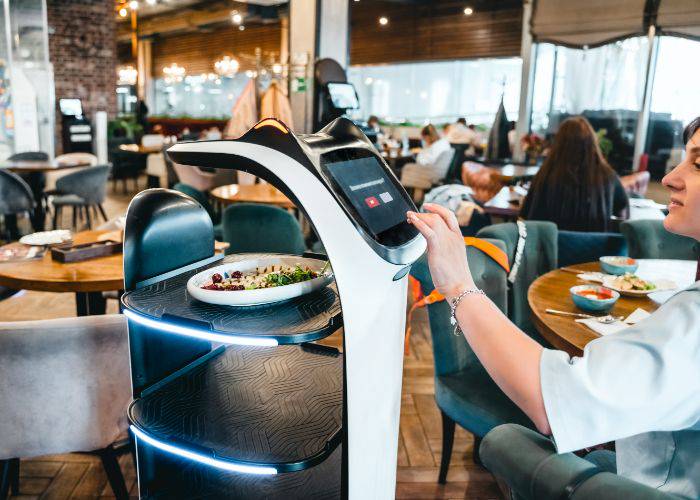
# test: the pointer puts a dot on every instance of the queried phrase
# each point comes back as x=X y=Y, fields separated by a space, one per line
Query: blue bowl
x=618 y=265
x=593 y=305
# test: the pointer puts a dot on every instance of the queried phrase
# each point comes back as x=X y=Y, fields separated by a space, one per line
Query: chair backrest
x=648 y=239
x=539 y=257
x=65 y=385
x=201 y=197
x=90 y=183
x=484 y=181
x=29 y=156
x=451 y=353
x=71 y=158
x=576 y=247
x=15 y=194
x=442 y=164
x=251 y=227
x=455 y=168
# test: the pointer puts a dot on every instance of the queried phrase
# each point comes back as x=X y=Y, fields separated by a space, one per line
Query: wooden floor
x=81 y=476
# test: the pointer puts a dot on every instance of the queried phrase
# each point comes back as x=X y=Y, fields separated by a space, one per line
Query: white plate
x=661 y=285
x=261 y=295
x=47 y=238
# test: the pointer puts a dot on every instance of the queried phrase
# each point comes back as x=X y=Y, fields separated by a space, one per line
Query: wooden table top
x=551 y=290
x=38 y=166
x=251 y=193
x=510 y=173
x=46 y=275
x=137 y=148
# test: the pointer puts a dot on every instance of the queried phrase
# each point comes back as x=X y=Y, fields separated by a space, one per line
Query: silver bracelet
x=455 y=302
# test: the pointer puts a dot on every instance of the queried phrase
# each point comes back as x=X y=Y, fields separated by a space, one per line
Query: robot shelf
x=166 y=305
x=248 y=409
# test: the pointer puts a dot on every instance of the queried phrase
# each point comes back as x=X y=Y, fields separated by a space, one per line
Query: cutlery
x=600 y=319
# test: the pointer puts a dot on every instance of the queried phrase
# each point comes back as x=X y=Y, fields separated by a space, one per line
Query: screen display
x=374 y=196
x=70 y=107
x=343 y=95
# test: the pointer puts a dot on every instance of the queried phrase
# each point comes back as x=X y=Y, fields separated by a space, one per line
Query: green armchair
x=540 y=256
x=648 y=239
x=464 y=391
x=529 y=464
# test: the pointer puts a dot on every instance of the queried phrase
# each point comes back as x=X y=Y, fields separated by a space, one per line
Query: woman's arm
x=510 y=357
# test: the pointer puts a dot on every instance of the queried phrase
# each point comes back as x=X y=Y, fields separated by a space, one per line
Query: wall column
x=144 y=65
x=317 y=29
x=528 y=53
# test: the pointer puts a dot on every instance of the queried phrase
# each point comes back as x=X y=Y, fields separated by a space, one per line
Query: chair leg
x=14 y=476
x=75 y=217
x=475 y=452
x=87 y=216
x=102 y=211
x=56 y=211
x=114 y=472
x=448 y=436
x=5 y=474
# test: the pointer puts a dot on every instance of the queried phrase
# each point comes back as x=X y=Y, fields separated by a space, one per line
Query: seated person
x=427 y=170
x=459 y=133
x=576 y=188
x=639 y=387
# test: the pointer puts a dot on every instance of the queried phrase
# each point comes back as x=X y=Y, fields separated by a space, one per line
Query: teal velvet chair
x=648 y=239
x=203 y=199
x=574 y=247
x=529 y=464
x=251 y=227
x=464 y=391
x=539 y=257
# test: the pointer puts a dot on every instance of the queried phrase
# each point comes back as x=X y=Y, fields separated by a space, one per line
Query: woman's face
x=684 y=182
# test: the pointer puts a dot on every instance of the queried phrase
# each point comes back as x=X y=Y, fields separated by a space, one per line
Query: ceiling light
x=151 y=2
x=123 y=12
x=127 y=75
x=383 y=21
x=277 y=68
x=227 y=66
x=133 y=5
x=468 y=11
x=241 y=28
x=236 y=17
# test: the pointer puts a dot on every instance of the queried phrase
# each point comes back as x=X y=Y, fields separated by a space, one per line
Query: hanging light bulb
x=127 y=75
x=133 y=5
x=383 y=20
x=468 y=11
x=123 y=12
x=173 y=73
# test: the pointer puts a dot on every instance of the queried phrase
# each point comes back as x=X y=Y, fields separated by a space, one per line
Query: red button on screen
x=372 y=202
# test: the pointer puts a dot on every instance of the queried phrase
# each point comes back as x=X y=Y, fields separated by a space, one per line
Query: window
x=438 y=91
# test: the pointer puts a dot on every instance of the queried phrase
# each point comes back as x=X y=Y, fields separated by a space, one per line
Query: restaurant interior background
x=107 y=76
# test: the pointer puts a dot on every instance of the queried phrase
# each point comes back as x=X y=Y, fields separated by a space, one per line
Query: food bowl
x=593 y=298
x=618 y=265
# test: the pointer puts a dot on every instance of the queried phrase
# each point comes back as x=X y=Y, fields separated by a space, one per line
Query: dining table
x=551 y=291
x=506 y=204
x=86 y=279
x=511 y=174
x=33 y=173
x=262 y=193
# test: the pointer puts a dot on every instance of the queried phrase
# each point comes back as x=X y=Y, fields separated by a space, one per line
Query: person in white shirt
x=459 y=133
x=640 y=387
x=431 y=163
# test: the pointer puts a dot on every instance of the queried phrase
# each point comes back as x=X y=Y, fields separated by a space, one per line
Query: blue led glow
x=203 y=459
x=199 y=334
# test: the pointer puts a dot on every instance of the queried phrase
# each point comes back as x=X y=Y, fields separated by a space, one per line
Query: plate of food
x=259 y=281
x=633 y=286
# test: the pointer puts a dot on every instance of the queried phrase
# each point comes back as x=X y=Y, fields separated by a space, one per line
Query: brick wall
x=82 y=49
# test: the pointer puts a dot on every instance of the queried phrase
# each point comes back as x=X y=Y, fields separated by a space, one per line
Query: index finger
x=447 y=215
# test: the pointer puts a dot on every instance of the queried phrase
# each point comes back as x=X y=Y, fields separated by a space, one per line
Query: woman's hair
x=690 y=130
x=373 y=118
x=574 y=182
x=431 y=132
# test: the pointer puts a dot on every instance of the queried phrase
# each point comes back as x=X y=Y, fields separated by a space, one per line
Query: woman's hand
x=447 y=256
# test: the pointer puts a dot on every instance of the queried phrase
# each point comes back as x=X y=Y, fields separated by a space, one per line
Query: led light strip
x=202 y=459
x=199 y=334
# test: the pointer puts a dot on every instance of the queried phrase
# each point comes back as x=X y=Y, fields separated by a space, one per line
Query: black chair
x=37 y=182
x=127 y=165
x=454 y=172
x=15 y=198
x=82 y=190
x=577 y=247
x=29 y=156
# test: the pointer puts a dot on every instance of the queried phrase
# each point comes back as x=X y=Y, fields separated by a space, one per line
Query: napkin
x=606 y=329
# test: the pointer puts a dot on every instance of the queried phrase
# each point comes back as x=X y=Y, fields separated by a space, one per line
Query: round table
x=25 y=167
x=87 y=279
x=251 y=193
x=551 y=290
